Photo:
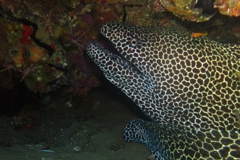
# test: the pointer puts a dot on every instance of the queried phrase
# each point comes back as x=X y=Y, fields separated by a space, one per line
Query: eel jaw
x=107 y=61
x=115 y=67
x=122 y=74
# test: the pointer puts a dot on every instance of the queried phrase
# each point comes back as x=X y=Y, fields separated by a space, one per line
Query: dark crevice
x=207 y=6
x=7 y=14
x=33 y=36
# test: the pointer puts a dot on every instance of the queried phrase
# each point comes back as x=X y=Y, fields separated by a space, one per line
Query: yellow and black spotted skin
x=188 y=86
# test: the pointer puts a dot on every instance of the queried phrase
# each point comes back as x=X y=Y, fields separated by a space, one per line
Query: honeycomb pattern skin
x=187 y=86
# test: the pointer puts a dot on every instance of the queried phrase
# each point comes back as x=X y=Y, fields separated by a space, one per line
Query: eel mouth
x=109 y=59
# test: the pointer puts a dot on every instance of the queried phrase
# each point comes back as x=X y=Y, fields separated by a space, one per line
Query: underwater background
x=55 y=102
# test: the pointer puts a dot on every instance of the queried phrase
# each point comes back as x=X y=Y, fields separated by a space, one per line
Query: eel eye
x=105 y=29
x=134 y=42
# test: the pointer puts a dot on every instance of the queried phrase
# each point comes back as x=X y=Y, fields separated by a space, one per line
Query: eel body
x=187 y=86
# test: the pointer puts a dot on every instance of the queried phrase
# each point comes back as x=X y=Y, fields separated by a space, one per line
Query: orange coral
x=228 y=7
x=35 y=54
x=185 y=9
x=23 y=57
x=17 y=56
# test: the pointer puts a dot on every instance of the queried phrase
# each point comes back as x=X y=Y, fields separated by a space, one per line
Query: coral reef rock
x=228 y=7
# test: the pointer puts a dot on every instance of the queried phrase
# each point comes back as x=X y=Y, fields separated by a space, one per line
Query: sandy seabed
x=65 y=132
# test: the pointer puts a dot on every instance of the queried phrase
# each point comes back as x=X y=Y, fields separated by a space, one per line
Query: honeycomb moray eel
x=187 y=86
